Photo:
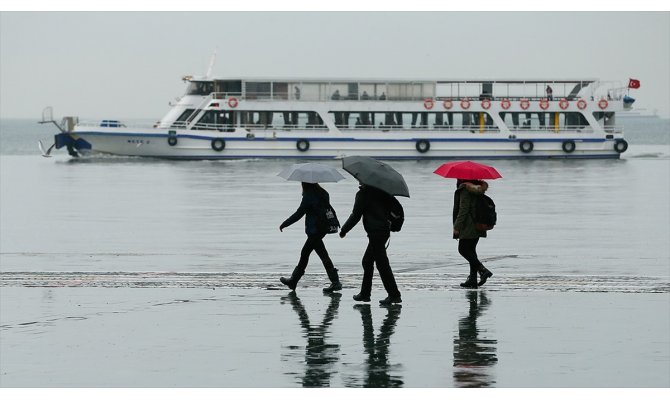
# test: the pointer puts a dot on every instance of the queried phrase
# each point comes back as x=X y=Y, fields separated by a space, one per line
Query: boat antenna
x=212 y=61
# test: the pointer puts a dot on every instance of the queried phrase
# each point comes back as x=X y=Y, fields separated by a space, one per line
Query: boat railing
x=270 y=96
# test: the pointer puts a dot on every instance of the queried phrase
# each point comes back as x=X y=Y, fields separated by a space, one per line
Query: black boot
x=362 y=297
x=471 y=282
x=390 y=300
x=292 y=282
x=484 y=274
x=288 y=282
x=334 y=281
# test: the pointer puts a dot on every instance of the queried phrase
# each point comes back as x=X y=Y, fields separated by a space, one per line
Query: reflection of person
x=377 y=348
x=314 y=197
x=370 y=204
x=473 y=356
x=465 y=231
x=319 y=355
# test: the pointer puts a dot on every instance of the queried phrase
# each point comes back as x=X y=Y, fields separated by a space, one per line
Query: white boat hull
x=324 y=145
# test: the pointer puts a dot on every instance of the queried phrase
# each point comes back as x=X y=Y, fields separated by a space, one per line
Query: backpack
x=396 y=215
x=485 y=213
x=327 y=220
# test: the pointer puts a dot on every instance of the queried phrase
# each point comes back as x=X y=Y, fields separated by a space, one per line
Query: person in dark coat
x=371 y=205
x=314 y=198
x=465 y=231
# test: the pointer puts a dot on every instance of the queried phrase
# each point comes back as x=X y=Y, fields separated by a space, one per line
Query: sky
x=129 y=64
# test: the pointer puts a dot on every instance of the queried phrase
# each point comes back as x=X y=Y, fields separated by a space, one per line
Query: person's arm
x=355 y=216
x=302 y=210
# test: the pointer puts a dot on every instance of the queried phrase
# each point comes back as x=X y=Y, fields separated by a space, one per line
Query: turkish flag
x=633 y=84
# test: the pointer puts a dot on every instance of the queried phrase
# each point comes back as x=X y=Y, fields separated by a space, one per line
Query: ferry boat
x=384 y=119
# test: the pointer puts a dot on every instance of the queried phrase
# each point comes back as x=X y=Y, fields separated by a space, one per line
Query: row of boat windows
x=381 y=120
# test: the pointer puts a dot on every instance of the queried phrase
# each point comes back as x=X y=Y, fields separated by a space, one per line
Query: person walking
x=371 y=204
x=466 y=232
x=314 y=199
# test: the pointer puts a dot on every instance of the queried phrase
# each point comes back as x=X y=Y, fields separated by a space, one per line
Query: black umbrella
x=375 y=173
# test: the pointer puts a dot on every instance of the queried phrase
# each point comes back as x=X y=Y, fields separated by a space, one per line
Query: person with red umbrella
x=469 y=185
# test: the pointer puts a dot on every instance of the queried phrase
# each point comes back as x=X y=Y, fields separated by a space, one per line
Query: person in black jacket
x=371 y=204
x=314 y=199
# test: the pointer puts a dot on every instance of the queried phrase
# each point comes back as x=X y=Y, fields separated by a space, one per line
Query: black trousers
x=376 y=254
x=314 y=243
x=468 y=249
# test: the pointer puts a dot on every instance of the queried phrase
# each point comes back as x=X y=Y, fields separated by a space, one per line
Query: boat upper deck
x=399 y=90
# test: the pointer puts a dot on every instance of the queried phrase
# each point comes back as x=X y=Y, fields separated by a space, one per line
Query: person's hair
x=459 y=182
x=306 y=186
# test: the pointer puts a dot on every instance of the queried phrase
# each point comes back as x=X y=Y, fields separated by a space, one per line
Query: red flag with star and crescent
x=633 y=83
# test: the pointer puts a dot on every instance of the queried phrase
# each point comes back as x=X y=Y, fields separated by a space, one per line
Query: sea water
x=165 y=273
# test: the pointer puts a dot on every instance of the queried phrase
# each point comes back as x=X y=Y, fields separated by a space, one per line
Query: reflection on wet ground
x=237 y=337
x=474 y=354
x=380 y=372
x=320 y=356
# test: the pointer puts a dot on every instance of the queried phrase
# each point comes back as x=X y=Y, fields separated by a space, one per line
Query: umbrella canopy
x=375 y=173
x=467 y=170
x=311 y=173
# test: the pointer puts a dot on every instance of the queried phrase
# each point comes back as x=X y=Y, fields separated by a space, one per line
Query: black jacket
x=312 y=201
x=371 y=204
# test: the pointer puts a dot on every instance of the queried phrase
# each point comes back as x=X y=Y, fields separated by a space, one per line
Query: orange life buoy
x=447 y=104
x=603 y=104
x=232 y=102
x=524 y=103
x=544 y=104
x=564 y=104
x=505 y=104
x=581 y=104
x=428 y=104
x=486 y=104
x=465 y=103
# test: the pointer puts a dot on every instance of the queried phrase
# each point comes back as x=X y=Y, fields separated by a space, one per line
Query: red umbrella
x=467 y=170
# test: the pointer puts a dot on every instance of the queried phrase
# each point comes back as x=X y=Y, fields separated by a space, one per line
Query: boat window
x=185 y=115
x=257 y=90
x=200 y=88
x=479 y=121
x=280 y=120
x=228 y=88
x=214 y=119
x=544 y=121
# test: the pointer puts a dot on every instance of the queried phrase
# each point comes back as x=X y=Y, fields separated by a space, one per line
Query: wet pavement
x=96 y=336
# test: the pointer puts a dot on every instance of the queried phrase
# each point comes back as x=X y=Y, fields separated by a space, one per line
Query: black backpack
x=327 y=220
x=485 y=213
x=396 y=215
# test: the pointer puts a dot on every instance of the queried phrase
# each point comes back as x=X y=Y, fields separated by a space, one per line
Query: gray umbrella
x=375 y=173
x=311 y=173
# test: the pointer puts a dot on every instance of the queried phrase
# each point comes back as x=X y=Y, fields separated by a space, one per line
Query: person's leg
x=299 y=270
x=378 y=247
x=468 y=249
x=320 y=249
x=368 y=263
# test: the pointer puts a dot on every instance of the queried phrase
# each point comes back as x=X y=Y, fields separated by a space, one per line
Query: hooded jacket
x=464 y=209
x=313 y=200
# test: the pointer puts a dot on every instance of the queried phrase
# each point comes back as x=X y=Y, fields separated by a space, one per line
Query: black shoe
x=484 y=274
x=390 y=300
x=361 y=297
x=470 y=283
x=333 y=287
x=288 y=282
